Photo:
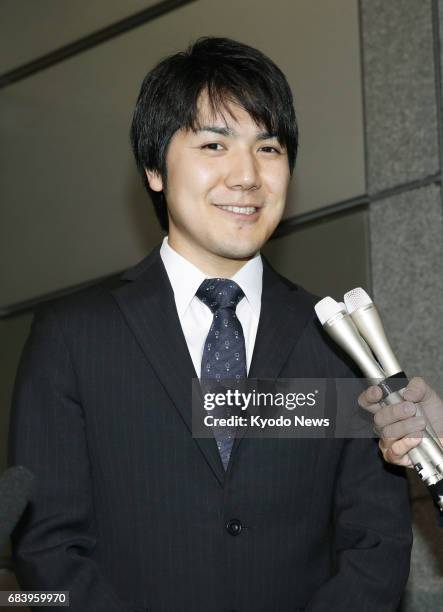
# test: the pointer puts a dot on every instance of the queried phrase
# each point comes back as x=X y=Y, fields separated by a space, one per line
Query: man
x=133 y=513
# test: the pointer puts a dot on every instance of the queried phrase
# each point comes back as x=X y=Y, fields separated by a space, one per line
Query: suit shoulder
x=96 y=298
x=89 y=302
x=339 y=362
x=302 y=293
x=97 y=295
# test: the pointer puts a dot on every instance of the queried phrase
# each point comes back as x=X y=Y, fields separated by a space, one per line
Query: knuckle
x=417 y=381
x=397 y=450
x=389 y=457
x=387 y=432
x=373 y=393
x=398 y=410
x=412 y=442
x=378 y=419
x=405 y=410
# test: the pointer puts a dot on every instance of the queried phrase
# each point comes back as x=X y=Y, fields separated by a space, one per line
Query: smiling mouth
x=239 y=210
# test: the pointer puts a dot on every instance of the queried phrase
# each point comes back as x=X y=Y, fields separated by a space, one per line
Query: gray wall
x=401 y=44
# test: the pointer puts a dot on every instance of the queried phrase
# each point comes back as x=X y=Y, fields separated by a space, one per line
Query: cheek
x=205 y=175
x=193 y=176
x=277 y=180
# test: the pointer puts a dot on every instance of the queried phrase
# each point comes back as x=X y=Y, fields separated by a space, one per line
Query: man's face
x=226 y=187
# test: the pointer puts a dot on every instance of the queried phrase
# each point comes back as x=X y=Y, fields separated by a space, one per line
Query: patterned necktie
x=224 y=354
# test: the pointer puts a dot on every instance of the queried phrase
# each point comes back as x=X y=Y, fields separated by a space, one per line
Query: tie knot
x=219 y=293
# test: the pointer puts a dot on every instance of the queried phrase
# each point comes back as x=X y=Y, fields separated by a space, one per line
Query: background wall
x=364 y=209
x=401 y=49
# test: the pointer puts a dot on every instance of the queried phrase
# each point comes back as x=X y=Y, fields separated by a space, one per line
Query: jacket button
x=234 y=527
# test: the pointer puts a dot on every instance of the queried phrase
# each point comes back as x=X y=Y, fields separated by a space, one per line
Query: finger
x=396 y=452
x=369 y=398
x=402 y=461
x=417 y=390
x=400 y=429
x=391 y=414
x=402 y=446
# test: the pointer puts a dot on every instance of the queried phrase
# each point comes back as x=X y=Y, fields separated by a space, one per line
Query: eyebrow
x=225 y=131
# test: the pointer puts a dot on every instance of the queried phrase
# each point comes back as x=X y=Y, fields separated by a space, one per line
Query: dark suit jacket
x=130 y=511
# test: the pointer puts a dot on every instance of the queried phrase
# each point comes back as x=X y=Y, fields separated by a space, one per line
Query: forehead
x=228 y=113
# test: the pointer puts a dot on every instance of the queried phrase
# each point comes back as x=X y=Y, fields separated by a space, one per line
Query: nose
x=244 y=172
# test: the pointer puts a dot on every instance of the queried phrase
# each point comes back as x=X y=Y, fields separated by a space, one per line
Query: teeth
x=243 y=210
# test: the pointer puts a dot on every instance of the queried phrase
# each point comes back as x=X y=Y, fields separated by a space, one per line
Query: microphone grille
x=327 y=308
x=356 y=298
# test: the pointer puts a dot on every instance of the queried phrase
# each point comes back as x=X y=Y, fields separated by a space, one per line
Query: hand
x=399 y=428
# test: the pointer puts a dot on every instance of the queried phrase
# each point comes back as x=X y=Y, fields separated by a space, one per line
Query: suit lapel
x=147 y=302
x=285 y=312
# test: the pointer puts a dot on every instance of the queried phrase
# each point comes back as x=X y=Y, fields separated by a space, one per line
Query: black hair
x=229 y=71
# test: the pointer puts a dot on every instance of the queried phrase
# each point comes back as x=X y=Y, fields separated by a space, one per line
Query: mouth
x=243 y=210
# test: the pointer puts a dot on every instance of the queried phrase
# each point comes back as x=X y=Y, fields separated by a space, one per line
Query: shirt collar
x=185 y=278
x=250 y=279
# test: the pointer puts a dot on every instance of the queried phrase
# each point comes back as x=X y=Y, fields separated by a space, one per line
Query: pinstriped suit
x=130 y=511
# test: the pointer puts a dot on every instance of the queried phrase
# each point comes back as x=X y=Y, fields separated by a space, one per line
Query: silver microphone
x=362 y=337
x=365 y=315
x=339 y=325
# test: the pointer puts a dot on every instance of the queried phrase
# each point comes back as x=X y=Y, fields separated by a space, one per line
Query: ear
x=154 y=179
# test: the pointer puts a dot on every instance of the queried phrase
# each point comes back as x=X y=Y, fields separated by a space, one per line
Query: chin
x=239 y=250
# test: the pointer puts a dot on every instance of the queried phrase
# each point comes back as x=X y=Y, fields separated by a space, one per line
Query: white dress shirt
x=195 y=317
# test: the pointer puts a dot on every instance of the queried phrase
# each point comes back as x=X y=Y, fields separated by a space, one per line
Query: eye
x=273 y=149
x=211 y=146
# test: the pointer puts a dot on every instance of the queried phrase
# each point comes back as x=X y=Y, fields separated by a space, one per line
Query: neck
x=211 y=264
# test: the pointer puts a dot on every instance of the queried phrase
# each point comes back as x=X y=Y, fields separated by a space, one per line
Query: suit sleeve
x=53 y=541
x=373 y=535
